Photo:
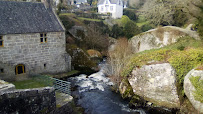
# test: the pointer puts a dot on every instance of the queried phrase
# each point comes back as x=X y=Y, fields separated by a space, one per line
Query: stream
x=94 y=94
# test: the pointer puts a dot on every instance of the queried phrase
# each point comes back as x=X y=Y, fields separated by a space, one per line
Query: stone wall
x=37 y=57
x=28 y=101
x=5 y=86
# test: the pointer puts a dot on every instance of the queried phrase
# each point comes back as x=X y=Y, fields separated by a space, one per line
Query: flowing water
x=94 y=94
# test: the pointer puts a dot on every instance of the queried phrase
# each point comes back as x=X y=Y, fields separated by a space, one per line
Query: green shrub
x=130 y=13
x=146 y=27
x=198 y=84
x=131 y=29
x=66 y=21
x=80 y=59
x=124 y=20
x=179 y=17
x=116 y=31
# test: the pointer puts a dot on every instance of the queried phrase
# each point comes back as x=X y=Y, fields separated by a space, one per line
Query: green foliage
x=146 y=27
x=89 y=19
x=66 y=21
x=179 y=17
x=130 y=13
x=80 y=59
x=116 y=31
x=198 y=84
x=30 y=83
x=124 y=20
x=199 y=18
x=130 y=29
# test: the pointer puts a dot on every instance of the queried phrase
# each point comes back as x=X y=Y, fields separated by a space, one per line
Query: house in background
x=32 y=40
x=114 y=7
x=80 y=2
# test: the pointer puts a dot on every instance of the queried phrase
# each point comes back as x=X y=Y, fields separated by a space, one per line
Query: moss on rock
x=198 y=84
x=181 y=60
x=80 y=59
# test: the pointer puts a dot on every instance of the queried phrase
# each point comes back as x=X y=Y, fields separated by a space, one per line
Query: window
x=102 y=8
x=107 y=2
x=1 y=41
x=107 y=7
x=1 y=70
x=45 y=65
x=111 y=8
x=43 y=37
x=20 y=69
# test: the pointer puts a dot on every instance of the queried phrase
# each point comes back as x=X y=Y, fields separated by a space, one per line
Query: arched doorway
x=20 y=69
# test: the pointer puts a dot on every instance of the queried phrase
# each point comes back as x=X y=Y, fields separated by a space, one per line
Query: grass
x=68 y=14
x=142 y=23
x=72 y=72
x=30 y=83
x=89 y=19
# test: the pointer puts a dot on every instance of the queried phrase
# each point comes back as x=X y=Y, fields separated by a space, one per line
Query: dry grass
x=160 y=33
x=118 y=59
x=199 y=67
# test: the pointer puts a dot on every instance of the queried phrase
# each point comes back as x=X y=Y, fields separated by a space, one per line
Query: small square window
x=1 y=70
x=43 y=37
x=1 y=41
x=102 y=8
x=45 y=65
x=111 y=8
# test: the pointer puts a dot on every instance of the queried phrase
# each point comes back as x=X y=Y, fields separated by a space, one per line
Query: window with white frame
x=111 y=8
x=102 y=8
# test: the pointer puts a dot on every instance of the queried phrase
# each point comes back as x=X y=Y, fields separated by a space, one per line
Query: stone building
x=32 y=40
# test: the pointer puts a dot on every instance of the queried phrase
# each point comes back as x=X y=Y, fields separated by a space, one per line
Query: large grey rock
x=160 y=37
x=189 y=89
x=156 y=83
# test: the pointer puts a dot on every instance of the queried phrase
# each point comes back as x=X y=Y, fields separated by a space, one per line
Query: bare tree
x=95 y=39
x=118 y=58
x=161 y=11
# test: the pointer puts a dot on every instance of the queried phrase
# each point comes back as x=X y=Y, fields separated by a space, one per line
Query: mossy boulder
x=156 y=83
x=160 y=37
x=80 y=59
x=126 y=92
x=193 y=87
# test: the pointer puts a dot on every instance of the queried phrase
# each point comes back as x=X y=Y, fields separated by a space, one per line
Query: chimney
x=48 y=3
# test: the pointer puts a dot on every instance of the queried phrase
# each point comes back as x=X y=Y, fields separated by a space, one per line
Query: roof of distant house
x=27 y=17
x=111 y=1
x=81 y=1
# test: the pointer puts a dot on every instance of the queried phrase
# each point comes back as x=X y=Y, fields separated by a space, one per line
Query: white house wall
x=117 y=11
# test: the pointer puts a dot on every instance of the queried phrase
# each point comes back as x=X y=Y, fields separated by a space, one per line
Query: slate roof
x=112 y=1
x=27 y=17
